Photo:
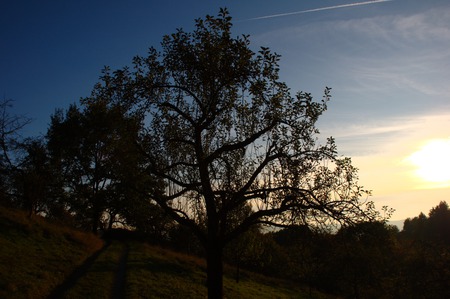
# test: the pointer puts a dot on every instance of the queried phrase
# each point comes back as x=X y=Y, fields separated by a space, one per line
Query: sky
x=387 y=62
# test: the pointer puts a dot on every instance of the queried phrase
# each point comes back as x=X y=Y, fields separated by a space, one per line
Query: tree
x=364 y=261
x=425 y=257
x=33 y=179
x=439 y=224
x=304 y=249
x=26 y=178
x=416 y=228
x=433 y=229
x=93 y=149
x=10 y=140
x=224 y=132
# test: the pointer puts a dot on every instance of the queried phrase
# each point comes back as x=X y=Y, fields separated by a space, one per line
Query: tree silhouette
x=33 y=179
x=93 y=150
x=10 y=141
x=425 y=256
x=439 y=224
x=224 y=132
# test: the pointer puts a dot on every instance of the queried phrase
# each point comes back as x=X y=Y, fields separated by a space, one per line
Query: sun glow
x=432 y=162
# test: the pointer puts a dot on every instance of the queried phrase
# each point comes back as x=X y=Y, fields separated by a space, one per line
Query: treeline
x=89 y=172
x=367 y=260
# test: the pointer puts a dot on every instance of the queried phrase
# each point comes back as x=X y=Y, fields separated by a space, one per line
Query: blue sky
x=388 y=63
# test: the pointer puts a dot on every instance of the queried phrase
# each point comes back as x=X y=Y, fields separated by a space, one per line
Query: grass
x=99 y=278
x=156 y=273
x=38 y=255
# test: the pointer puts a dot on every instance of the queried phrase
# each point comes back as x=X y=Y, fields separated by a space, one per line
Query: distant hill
x=397 y=223
x=41 y=259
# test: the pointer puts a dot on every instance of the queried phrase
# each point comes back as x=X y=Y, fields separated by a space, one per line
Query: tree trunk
x=214 y=270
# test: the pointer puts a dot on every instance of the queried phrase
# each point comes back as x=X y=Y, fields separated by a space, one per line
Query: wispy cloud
x=393 y=137
x=317 y=9
x=395 y=55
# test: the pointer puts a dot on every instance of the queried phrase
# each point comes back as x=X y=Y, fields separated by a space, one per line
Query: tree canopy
x=223 y=132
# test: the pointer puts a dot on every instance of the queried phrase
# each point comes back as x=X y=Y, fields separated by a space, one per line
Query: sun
x=432 y=161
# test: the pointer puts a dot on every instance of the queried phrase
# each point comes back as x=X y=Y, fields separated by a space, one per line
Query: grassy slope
x=157 y=273
x=37 y=255
x=98 y=280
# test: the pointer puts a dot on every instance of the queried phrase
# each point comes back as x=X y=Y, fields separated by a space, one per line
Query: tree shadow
x=79 y=272
x=118 y=287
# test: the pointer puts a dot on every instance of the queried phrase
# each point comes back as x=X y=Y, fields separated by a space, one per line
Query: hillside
x=37 y=255
x=46 y=260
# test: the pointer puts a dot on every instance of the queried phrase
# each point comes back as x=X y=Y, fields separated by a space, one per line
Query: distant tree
x=33 y=178
x=223 y=132
x=439 y=224
x=93 y=148
x=10 y=140
x=302 y=246
x=415 y=228
x=425 y=255
x=434 y=229
x=363 y=262
x=254 y=249
x=147 y=218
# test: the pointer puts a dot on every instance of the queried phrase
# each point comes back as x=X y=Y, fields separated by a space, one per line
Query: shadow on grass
x=79 y=272
x=118 y=288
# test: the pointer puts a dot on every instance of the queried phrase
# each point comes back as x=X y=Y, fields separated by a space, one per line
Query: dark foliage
x=233 y=147
x=366 y=260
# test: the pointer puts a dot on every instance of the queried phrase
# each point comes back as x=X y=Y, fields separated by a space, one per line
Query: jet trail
x=318 y=9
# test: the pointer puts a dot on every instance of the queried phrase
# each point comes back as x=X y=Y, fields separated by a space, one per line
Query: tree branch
x=188 y=91
x=239 y=145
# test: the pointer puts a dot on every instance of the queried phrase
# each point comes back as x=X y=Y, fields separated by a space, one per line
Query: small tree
x=34 y=179
x=224 y=133
x=10 y=141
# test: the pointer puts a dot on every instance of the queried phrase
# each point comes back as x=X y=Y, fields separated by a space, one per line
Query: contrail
x=318 y=9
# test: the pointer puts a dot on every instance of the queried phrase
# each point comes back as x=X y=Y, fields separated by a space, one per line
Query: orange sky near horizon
x=411 y=172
